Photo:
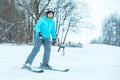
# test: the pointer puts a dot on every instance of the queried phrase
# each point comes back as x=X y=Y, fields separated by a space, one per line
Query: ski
x=34 y=69
x=59 y=70
x=65 y=70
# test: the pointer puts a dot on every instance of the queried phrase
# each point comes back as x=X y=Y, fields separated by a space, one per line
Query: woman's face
x=50 y=15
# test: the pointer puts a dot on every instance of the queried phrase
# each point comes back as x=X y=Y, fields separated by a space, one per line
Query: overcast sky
x=100 y=9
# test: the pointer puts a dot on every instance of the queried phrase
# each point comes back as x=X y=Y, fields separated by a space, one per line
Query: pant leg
x=47 y=50
x=34 y=52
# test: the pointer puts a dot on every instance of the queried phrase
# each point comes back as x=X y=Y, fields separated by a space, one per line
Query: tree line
x=18 y=17
x=110 y=31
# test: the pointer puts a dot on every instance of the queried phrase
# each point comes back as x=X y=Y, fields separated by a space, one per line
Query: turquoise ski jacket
x=46 y=26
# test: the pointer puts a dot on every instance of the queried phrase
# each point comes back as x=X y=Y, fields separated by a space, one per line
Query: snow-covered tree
x=18 y=18
x=69 y=14
x=33 y=8
x=111 y=30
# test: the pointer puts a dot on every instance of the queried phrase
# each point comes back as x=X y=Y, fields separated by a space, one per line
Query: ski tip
x=66 y=70
x=41 y=71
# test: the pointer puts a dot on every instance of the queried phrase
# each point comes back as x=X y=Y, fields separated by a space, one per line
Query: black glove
x=40 y=35
x=54 y=41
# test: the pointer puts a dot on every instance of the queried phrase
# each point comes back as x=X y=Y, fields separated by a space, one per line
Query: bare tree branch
x=42 y=11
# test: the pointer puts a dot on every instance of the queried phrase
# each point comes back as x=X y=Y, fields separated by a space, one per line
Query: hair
x=49 y=12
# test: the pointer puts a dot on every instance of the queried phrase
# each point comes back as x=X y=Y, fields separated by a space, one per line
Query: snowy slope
x=92 y=62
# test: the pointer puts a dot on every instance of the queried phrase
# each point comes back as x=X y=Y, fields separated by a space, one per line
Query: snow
x=92 y=62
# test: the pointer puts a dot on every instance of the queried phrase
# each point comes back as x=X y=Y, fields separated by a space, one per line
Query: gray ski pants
x=36 y=49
